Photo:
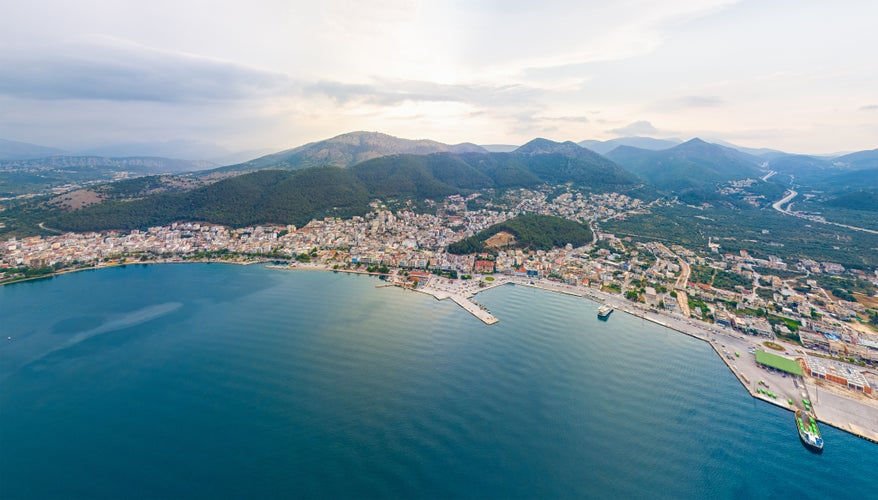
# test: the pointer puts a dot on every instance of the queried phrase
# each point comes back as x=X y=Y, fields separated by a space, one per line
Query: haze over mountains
x=17 y=150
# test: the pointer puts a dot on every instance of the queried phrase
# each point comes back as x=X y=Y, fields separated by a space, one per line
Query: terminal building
x=838 y=372
x=775 y=362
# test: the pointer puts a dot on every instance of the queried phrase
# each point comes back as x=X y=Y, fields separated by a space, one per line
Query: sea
x=226 y=381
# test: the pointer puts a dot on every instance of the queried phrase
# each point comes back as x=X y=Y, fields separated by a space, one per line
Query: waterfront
x=210 y=380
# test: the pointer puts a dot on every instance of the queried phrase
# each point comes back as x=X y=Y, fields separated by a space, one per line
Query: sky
x=799 y=75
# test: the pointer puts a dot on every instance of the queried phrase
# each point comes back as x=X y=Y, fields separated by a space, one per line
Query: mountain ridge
x=694 y=164
x=348 y=149
x=18 y=150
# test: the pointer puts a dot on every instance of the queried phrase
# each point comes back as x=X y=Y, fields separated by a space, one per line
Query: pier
x=462 y=301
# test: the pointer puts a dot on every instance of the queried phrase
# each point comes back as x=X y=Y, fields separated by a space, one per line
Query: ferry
x=808 y=432
x=604 y=312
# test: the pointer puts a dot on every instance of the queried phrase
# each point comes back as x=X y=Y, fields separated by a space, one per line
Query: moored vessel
x=808 y=431
x=604 y=312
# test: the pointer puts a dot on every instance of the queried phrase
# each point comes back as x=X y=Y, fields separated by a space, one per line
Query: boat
x=808 y=431
x=604 y=312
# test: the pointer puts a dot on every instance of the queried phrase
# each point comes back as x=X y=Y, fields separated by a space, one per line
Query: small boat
x=604 y=312
x=808 y=431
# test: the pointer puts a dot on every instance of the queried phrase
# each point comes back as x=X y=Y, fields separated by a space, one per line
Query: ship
x=808 y=431
x=604 y=312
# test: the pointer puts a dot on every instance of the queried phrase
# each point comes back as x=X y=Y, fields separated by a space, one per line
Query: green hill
x=857 y=200
x=346 y=150
x=297 y=196
x=859 y=160
x=261 y=197
x=533 y=232
x=693 y=165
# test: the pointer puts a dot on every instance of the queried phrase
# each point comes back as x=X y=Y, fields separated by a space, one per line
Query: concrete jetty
x=462 y=301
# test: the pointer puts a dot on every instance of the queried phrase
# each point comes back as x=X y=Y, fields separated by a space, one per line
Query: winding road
x=788 y=197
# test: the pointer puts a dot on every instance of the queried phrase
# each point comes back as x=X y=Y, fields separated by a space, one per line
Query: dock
x=464 y=302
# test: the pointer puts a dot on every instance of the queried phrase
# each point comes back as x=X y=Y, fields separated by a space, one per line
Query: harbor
x=834 y=406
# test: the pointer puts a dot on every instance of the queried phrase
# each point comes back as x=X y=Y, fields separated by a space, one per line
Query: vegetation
x=780 y=273
x=718 y=278
x=773 y=345
x=282 y=196
x=534 y=232
x=693 y=168
x=742 y=229
x=857 y=200
x=39 y=175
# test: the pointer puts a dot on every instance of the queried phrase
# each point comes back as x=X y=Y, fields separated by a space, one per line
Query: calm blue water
x=227 y=381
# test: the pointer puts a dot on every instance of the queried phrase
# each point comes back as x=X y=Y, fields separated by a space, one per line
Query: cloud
x=637 y=128
x=129 y=72
x=870 y=107
x=564 y=119
x=696 y=101
x=389 y=92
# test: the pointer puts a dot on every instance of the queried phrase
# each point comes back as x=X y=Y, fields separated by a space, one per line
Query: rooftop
x=778 y=362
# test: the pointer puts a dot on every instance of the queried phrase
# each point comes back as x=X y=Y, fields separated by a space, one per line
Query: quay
x=463 y=301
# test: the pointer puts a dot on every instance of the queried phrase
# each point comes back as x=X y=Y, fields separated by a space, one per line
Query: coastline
x=680 y=325
x=144 y=263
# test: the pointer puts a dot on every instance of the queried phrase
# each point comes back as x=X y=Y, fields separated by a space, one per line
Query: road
x=682 y=281
x=783 y=201
x=792 y=194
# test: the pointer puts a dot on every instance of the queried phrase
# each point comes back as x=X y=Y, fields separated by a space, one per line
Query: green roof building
x=778 y=362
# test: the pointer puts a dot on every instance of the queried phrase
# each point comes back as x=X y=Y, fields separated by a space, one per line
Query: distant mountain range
x=693 y=164
x=861 y=160
x=28 y=176
x=339 y=176
x=348 y=149
x=604 y=147
x=16 y=150
x=297 y=195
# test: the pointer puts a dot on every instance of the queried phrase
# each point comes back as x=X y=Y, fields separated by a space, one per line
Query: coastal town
x=751 y=304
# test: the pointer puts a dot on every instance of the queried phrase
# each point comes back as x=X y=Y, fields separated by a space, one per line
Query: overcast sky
x=798 y=75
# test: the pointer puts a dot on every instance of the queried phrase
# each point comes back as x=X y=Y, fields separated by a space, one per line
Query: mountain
x=498 y=148
x=30 y=176
x=849 y=180
x=761 y=152
x=604 y=147
x=239 y=157
x=695 y=164
x=348 y=149
x=858 y=161
x=802 y=169
x=181 y=149
x=561 y=162
x=866 y=199
x=848 y=172
x=297 y=196
x=15 y=150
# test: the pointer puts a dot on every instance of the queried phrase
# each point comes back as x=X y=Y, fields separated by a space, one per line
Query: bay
x=208 y=380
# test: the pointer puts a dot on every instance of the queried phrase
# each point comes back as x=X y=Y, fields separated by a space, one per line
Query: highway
x=792 y=194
